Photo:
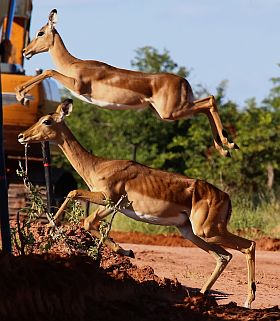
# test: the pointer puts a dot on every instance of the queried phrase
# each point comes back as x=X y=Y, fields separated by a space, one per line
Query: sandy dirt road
x=191 y=266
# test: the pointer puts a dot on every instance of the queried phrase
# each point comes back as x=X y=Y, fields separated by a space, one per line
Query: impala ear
x=52 y=18
x=65 y=108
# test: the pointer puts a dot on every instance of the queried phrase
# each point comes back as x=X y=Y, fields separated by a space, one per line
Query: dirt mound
x=264 y=243
x=51 y=287
x=59 y=286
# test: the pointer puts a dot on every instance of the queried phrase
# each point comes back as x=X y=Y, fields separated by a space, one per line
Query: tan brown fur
x=98 y=83
x=198 y=209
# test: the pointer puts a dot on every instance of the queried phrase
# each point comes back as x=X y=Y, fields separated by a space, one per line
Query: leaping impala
x=198 y=209
x=113 y=88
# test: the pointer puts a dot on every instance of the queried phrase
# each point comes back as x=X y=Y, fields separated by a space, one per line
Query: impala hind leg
x=217 y=120
x=208 y=106
x=221 y=256
x=212 y=110
x=246 y=247
x=89 y=225
x=216 y=138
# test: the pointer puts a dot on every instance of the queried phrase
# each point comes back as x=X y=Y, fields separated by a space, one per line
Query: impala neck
x=60 y=55
x=82 y=161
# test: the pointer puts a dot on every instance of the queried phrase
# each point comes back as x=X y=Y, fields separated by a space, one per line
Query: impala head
x=49 y=127
x=44 y=39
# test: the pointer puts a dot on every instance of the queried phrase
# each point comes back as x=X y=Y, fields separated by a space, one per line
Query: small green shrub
x=256 y=216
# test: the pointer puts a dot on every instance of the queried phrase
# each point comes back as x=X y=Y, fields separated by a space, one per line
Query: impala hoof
x=230 y=145
x=131 y=254
x=128 y=253
x=19 y=97
x=224 y=153
x=25 y=102
x=206 y=293
x=236 y=146
x=51 y=224
x=247 y=305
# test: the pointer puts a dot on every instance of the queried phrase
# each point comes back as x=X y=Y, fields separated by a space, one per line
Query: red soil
x=264 y=243
x=58 y=286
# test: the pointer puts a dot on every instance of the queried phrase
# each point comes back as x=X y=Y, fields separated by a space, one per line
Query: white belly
x=108 y=105
x=177 y=220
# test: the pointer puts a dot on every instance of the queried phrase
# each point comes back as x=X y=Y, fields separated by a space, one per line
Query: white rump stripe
x=105 y=104
x=148 y=218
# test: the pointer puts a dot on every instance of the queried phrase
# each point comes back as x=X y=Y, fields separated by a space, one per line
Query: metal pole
x=134 y=152
x=48 y=174
x=11 y=13
x=4 y=209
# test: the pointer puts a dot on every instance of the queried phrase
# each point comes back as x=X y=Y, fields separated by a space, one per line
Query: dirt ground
x=191 y=267
x=176 y=258
x=160 y=283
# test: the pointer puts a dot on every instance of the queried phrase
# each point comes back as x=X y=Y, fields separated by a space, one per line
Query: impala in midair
x=199 y=210
x=109 y=87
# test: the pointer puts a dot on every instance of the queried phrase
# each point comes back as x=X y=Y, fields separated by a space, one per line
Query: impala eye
x=47 y=122
x=40 y=34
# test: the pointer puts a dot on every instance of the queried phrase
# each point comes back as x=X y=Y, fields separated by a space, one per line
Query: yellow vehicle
x=15 y=17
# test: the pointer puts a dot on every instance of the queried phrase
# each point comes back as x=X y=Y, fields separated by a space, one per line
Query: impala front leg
x=24 y=88
x=93 y=197
x=250 y=258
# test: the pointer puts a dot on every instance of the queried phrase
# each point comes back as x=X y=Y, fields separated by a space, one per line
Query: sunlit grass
x=262 y=218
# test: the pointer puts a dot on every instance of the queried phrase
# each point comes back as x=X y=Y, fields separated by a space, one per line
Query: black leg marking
x=236 y=146
x=254 y=287
x=218 y=140
x=225 y=133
